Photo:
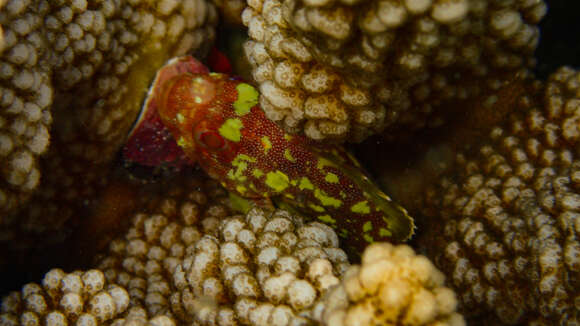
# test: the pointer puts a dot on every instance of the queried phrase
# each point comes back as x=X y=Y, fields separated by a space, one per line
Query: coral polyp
x=449 y=95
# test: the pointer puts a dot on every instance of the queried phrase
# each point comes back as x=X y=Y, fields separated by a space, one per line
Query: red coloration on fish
x=150 y=143
x=219 y=62
x=217 y=122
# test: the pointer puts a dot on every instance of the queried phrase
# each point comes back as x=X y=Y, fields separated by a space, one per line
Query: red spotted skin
x=252 y=156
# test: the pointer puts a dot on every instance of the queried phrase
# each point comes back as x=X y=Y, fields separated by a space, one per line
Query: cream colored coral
x=137 y=316
x=262 y=268
x=33 y=306
x=84 y=66
x=144 y=258
x=188 y=259
x=349 y=69
x=83 y=297
x=25 y=101
x=392 y=286
x=510 y=212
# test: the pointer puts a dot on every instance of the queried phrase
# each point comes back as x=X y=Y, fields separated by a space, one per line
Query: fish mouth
x=173 y=67
x=150 y=142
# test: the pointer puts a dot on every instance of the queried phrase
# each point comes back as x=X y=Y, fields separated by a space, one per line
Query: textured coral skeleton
x=27 y=96
x=503 y=224
x=84 y=297
x=392 y=285
x=349 y=69
x=191 y=259
x=79 y=68
x=509 y=212
x=187 y=260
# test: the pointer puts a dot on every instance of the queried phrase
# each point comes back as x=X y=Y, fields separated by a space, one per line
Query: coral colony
x=270 y=229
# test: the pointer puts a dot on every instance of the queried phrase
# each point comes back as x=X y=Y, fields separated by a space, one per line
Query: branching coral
x=80 y=298
x=261 y=269
x=85 y=298
x=144 y=258
x=25 y=100
x=186 y=260
x=505 y=223
x=511 y=210
x=98 y=59
x=352 y=68
x=189 y=261
x=393 y=286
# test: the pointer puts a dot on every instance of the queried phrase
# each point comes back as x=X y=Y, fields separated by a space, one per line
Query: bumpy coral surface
x=338 y=69
x=509 y=235
x=25 y=100
x=261 y=269
x=190 y=259
x=186 y=260
x=393 y=286
x=143 y=259
x=96 y=59
x=84 y=298
x=79 y=298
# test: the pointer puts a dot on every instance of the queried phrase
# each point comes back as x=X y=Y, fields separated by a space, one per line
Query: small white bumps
x=77 y=296
x=25 y=101
x=261 y=255
x=59 y=49
x=449 y=11
x=337 y=50
x=149 y=262
x=509 y=209
x=302 y=294
x=392 y=284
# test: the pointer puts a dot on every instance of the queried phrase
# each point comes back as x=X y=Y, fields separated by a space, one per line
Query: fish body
x=217 y=122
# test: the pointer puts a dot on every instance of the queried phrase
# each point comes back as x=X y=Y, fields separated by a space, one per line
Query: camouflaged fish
x=216 y=121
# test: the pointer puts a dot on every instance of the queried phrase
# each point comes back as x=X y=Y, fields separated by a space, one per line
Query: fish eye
x=208 y=138
x=212 y=140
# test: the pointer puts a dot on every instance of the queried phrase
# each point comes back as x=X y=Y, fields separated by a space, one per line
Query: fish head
x=196 y=109
x=150 y=142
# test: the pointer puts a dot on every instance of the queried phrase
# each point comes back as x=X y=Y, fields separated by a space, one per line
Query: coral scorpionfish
x=214 y=120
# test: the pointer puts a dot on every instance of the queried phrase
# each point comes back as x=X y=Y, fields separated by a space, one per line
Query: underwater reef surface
x=73 y=75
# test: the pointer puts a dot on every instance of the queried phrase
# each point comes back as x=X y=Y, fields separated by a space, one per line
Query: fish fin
x=239 y=204
x=151 y=144
x=219 y=62
x=294 y=209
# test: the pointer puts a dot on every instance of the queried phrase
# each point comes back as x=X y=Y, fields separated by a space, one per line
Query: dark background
x=560 y=37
